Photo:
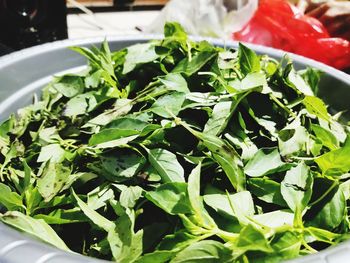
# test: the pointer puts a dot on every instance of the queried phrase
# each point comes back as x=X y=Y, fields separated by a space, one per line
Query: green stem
x=280 y=104
x=335 y=183
x=308 y=247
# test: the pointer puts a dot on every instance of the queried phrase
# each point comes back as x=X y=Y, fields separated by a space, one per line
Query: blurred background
x=318 y=29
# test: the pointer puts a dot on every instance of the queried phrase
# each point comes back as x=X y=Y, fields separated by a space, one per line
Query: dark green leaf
x=248 y=60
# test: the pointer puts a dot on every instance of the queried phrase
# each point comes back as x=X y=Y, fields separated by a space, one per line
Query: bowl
x=25 y=72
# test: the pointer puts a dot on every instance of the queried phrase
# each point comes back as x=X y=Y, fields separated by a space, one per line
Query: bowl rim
x=51 y=46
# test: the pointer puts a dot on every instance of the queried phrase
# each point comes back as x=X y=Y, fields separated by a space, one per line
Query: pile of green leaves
x=177 y=151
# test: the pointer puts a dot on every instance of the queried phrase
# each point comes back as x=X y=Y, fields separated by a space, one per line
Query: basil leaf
x=172 y=198
x=204 y=251
x=52 y=180
x=265 y=161
x=166 y=164
x=296 y=188
x=248 y=60
x=11 y=200
x=35 y=227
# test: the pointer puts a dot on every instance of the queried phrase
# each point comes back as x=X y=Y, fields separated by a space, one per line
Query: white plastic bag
x=214 y=18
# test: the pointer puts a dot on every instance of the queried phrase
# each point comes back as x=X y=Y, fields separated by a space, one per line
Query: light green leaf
x=219 y=118
x=51 y=152
x=69 y=86
x=206 y=251
x=168 y=105
x=175 y=82
x=95 y=217
x=251 y=239
x=296 y=188
x=327 y=138
x=11 y=200
x=35 y=227
x=265 y=161
x=200 y=214
x=139 y=54
x=166 y=164
x=316 y=106
x=52 y=180
x=172 y=198
x=336 y=162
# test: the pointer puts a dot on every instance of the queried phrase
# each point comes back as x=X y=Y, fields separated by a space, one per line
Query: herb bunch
x=178 y=151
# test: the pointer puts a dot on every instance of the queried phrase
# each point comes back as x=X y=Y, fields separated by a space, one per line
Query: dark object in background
x=4 y=50
x=25 y=23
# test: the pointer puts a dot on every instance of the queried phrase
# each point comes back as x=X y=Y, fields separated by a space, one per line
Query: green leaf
x=296 y=188
x=166 y=164
x=327 y=138
x=336 y=162
x=160 y=256
x=121 y=165
x=130 y=195
x=112 y=134
x=275 y=219
x=100 y=59
x=267 y=190
x=174 y=29
x=200 y=214
x=177 y=241
x=80 y=104
x=225 y=155
x=63 y=216
x=52 y=180
x=126 y=245
x=248 y=60
x=240 y=205
x=219 y=118
x=265 y=161
x=292 y=141
x=121 y=108
x=316 y=106
x=52 y=152
x=11 y=200
x=321 y=234
x=172 y=198
x=249 y=82
x=35 y=227
x=69 y=86
x=175 y=82
x=287 y=245
x=95 y=217
x=139 y=54
x=295 y=80
x=332 y=213
x=204 y=251
x=191 y=66
x=251 y=239
x=168 y=105
x=312 y=77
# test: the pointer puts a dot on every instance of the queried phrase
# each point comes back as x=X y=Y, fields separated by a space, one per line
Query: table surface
x=113 y=23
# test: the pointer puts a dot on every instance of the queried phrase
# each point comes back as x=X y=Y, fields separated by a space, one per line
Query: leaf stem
x=335 y=183
x=282 y=106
